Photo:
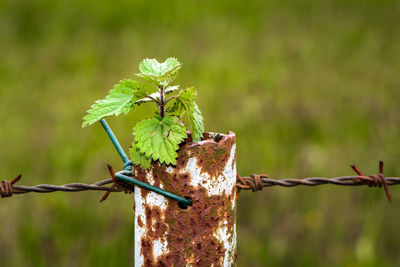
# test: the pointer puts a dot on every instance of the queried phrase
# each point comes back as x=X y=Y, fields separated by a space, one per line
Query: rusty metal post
x=204 y=234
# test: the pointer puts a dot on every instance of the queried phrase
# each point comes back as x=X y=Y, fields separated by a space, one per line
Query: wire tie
x=6 y=187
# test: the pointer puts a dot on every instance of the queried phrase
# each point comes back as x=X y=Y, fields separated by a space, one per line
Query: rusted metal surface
x=203 y=234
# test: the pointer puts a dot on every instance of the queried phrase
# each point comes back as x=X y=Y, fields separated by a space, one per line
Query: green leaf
x=120 y=99
x=139 y=158
x=159 y=73
x=141 y=91
x=185 y=102
x=160 y=139
x=196 y=120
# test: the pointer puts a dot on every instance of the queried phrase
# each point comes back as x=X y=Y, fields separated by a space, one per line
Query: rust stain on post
x=203 y=234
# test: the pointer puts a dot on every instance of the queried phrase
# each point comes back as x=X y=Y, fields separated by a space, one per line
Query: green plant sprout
x=158 y=137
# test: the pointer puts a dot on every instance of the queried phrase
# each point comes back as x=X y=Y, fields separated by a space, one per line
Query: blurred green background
x=308 y=86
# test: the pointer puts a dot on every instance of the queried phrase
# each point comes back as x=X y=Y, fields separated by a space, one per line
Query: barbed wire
x=257 y=182
x=250 y=183
x=48 y=188
x=254 y=182
x=8 y=188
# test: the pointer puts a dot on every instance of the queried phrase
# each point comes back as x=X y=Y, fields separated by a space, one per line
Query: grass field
x=308 y=86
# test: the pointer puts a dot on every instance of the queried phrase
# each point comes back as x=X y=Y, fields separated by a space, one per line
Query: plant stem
x=169 y=99
x=162 y=101
x=155 y=100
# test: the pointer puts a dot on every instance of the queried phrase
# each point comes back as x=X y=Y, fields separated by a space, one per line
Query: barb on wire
x=7 y=188
x=117 y=185
x=121 y=181
x=256 y=182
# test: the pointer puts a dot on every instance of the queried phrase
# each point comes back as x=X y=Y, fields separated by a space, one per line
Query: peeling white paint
x=170 y=169
x=153 y=200
x=224 y=183
x=139 y=231
x=230 y=172
x=149 y=176
x=160 y=247
x=228 y=239
x=156 y=200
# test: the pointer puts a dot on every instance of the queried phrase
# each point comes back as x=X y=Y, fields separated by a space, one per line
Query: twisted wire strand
x=244 y=183
x=254 y=182
x=250 y=183
x=7 y=189
x=257 y=182
x=73 y=187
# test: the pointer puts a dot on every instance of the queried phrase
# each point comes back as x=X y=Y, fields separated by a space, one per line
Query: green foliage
x=161 y=74
x=120 y=99
x=139 y=158
x=141 y=91
x=157 y=138
x=186 y=103
x=197 y=123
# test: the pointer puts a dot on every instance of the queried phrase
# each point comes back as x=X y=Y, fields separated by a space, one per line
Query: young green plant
x=158 y=137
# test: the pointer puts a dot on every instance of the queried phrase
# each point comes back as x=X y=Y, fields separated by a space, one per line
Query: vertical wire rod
x=114 y=140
